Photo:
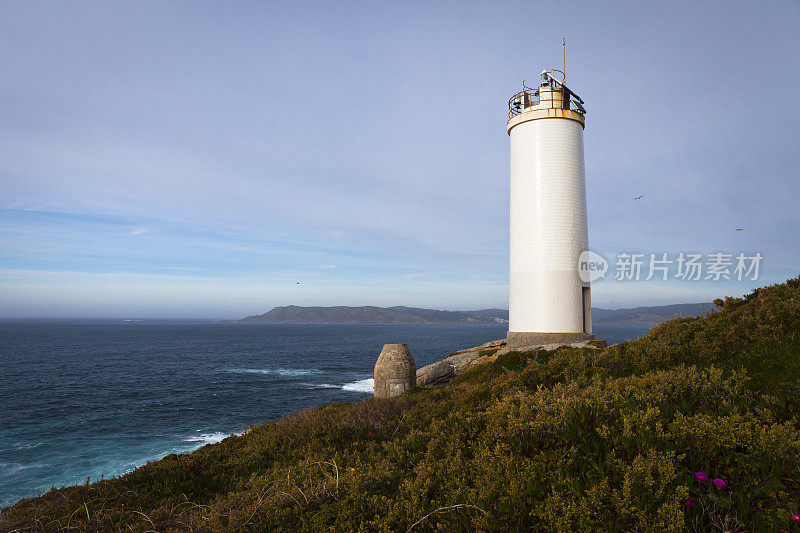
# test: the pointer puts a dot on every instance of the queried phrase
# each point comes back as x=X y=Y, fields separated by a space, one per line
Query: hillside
x=414 y=315
x=649 y=314
x=379 y=315
x=694 y=426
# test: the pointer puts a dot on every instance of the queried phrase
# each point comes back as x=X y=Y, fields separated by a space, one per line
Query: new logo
x=591 y=266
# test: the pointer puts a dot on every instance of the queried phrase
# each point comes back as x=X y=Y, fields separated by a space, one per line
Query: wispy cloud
x=139 y=231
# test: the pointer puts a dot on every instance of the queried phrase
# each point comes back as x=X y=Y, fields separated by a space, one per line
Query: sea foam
x=207 y=438
x=320 y=386
x=362 y=385
x=283 y=372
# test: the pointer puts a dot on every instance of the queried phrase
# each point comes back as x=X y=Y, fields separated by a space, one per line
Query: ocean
x=89 y=398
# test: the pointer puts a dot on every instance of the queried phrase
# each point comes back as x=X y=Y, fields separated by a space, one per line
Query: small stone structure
x=395 y=371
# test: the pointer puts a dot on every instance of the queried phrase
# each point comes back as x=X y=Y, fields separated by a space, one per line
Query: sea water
x=86 y=398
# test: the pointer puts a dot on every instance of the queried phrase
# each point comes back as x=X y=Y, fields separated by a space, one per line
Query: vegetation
x=694 y=426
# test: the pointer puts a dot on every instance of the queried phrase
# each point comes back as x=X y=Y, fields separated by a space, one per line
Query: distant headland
x=379 y=315
x=414 y=315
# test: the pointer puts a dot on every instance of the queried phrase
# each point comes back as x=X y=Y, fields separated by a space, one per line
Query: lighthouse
x=548 y=300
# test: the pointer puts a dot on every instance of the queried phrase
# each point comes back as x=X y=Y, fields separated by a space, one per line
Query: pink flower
x=719 y=483
x=701 y=477
x=796 y=517
x=689 y=503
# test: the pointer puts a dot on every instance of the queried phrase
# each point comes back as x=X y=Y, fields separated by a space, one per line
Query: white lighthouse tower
x=548 y=301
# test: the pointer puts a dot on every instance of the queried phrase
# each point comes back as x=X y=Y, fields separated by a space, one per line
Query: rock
x=462 y=360
x=395 y=371
x=586 y=344
x=484 y=359
x=435 y=374
x=446 y=369
x=458 y=362
x=484 y=346
x=530 y=348
x=491 y=344
x=550 y=347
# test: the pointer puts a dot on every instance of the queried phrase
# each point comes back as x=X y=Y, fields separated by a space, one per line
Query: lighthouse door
x=587 y=310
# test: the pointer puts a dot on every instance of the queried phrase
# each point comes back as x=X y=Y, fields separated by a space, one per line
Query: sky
x=216 y=159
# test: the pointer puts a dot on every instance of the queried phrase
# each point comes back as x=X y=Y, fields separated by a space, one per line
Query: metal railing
x=560 y=97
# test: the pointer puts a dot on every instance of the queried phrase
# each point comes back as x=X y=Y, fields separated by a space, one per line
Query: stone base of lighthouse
x=518 y=339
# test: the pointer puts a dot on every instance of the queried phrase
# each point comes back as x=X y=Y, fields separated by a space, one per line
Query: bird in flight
x=739 y=229
x=639 y=197
x=298 y=283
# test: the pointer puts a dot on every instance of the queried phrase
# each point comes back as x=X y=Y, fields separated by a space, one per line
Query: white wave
x=207 y=438
x=320 y=386
x=362 y=385
x=192 y=443
x=26 y=446
x=284 y=372
x=9 y=469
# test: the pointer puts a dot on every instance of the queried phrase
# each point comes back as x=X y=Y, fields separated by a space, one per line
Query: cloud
x=369 y=202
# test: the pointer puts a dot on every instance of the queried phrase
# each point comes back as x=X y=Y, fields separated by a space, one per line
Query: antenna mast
x=564 y=44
